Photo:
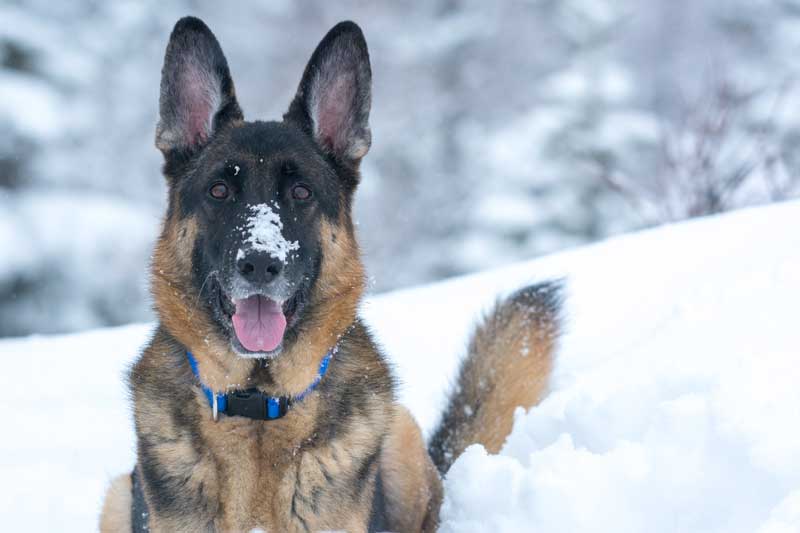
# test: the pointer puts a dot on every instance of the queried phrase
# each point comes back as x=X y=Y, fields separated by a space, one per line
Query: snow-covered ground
x=675 y=404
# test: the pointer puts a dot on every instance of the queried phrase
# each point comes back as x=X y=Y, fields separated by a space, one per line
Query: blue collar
x=252 y=403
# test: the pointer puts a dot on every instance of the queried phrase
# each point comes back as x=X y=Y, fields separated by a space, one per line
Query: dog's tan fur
x=508 y=365
x=116 y=513
x=516 y=363
x=409 y=477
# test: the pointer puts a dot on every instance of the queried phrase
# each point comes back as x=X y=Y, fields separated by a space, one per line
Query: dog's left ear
x=333 y=101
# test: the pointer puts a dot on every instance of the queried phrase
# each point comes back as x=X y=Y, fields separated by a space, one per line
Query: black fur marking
x=165 y=493
x=364 y=470
x=297 y=515
x=343 y=401
x=378 y=519
x=545 y=298
x=335 y=409
x=316 y=495
x=140 y=516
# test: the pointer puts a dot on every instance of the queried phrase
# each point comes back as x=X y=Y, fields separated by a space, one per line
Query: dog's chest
x=250 y=460
x=272 y=475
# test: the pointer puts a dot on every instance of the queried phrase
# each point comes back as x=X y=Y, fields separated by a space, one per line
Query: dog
x=262 y=401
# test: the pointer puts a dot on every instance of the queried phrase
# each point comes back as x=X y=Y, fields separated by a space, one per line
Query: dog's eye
x=219 y=191
x=301 y=192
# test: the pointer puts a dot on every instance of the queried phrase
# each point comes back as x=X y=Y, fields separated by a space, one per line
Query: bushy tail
x=508 y=365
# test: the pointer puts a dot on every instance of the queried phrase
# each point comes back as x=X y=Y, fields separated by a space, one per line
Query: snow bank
x=674 y=404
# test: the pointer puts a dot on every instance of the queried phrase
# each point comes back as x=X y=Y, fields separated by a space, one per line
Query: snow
x=673 y=405
x=42 y=120
x=265 y=227
x=51 y=244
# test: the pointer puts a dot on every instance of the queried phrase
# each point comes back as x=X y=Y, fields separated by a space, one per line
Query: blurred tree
x=501 y=130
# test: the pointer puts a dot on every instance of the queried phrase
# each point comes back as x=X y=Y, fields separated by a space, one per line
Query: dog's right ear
x=197 y=95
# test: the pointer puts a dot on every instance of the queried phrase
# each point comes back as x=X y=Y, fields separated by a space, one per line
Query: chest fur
x=313 y=469
x=237 y=474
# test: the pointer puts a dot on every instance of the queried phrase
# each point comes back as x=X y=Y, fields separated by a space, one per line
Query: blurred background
x=501 y=130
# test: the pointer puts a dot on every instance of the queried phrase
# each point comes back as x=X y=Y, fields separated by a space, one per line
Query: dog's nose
x=259 y=268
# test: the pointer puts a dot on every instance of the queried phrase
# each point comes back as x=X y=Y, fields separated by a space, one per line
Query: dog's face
x=259 y=191
x=262 y=199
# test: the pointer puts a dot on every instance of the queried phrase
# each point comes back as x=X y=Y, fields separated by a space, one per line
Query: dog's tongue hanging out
x=259 y=323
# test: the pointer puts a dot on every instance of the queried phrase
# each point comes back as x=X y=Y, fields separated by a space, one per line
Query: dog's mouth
x=257 y=323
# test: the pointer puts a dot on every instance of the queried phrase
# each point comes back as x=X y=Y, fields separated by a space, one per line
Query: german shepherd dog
x=262 y=400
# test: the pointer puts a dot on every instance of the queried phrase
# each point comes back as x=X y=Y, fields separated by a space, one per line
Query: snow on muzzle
x=259 y=321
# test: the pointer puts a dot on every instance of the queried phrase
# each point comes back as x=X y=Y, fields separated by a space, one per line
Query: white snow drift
x=675 y=403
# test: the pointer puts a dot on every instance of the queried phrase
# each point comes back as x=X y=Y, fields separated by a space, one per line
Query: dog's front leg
x=179 y=487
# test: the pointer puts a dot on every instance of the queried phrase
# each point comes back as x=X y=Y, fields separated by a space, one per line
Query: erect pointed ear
x=197 y=94
x=333 y=101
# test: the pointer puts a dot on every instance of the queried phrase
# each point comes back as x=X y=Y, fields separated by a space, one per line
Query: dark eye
x=219 y=191
x=301 y=192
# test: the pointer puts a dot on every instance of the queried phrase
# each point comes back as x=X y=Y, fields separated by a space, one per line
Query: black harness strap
x=139 y=513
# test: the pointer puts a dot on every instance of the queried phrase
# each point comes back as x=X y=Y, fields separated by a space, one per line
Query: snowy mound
x=675 y=404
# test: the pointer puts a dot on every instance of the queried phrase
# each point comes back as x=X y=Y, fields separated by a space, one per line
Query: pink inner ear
x=333 y=112
x=200 y=99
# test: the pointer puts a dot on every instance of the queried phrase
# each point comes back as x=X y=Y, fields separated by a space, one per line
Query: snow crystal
x=264 y=232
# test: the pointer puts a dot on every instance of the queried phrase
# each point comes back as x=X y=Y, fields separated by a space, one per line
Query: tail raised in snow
x=508 y=365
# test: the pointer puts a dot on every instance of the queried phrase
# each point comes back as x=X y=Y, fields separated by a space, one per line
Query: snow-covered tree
x=501 y=130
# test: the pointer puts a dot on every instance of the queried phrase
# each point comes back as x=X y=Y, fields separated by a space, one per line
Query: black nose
x=259 y=268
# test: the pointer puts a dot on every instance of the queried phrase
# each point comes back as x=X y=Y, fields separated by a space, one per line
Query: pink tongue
x=259 y=323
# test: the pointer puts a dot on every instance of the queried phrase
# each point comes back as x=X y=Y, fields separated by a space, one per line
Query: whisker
x=200 y=292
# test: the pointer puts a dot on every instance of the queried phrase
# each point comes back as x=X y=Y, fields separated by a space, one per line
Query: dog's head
x=258 y=231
